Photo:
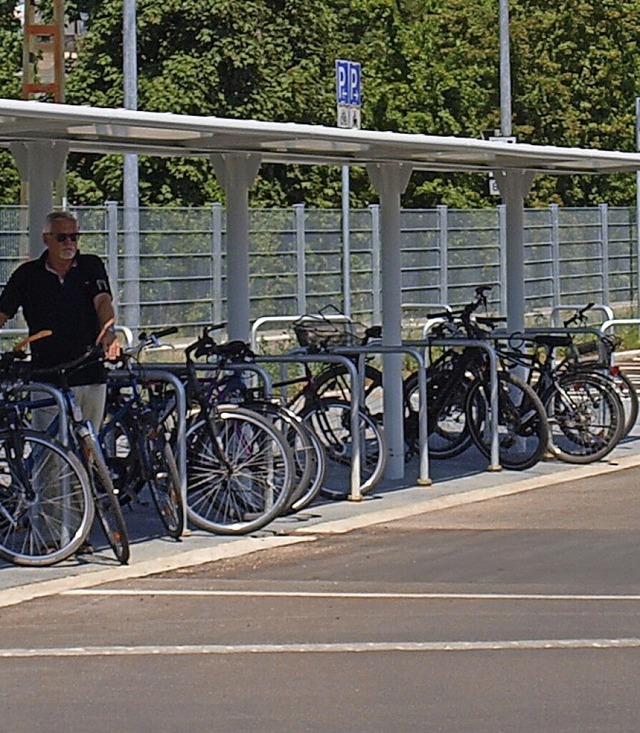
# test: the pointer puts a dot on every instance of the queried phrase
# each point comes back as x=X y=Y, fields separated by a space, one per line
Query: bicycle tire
x=334 y=383
x=586 y=417
x=629 y=397
x=251 y=487
x=297 y=436
x=523 y=433
x=41 y=526
x=626 y=390
x=331 y=421
x=164 y=486
x=107 y=504
x=448 y=432
x=318 y=461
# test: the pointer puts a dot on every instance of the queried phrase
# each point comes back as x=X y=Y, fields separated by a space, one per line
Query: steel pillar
x=390 y=180
x=236 y=172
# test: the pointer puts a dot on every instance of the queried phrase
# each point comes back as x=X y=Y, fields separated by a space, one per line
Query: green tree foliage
x=429 y=66
x=10 y=67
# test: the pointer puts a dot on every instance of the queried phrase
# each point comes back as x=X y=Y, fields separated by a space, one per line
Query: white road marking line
x=332 y=648
x=337 y=594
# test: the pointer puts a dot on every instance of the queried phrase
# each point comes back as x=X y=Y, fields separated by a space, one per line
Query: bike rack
x=494 y=464
x=361 y=352
x=580 y=330
x=160 y=373
x=58 y=397
x=612 y=322
x=493 y=378
x=355 y=492
x=337 y=317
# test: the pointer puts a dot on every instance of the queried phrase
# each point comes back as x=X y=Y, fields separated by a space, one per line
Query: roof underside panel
x=100 y=130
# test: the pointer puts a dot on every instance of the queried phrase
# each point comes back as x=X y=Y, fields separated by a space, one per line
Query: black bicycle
x=136 y=438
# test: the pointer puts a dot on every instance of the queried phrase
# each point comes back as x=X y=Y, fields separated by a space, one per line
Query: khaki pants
x=91 y=399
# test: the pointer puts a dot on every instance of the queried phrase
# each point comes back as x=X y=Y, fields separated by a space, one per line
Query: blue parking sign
x=355 y=75
x=342 y=81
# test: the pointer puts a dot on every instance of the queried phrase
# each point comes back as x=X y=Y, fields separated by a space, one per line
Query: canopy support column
x=39 y=163
x=390 y=181
x=514 y=186
x=236 y=172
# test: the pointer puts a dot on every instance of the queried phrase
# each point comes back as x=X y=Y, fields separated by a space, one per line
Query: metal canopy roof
x=102 y=130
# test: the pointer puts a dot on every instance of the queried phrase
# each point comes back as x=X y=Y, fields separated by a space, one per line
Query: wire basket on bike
x=317 y=333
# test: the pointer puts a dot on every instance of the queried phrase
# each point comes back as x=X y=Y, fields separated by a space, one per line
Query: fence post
x=301 y=259
x=604 y=250
x=216 y=263
x=375 y=263
x=443 y=240
x=555 y=253
x=502 y=249
x=111 y=222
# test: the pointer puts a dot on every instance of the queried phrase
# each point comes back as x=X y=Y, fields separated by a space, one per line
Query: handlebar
x=579 y=315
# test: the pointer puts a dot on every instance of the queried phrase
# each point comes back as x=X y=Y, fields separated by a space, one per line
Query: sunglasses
x=59 y=237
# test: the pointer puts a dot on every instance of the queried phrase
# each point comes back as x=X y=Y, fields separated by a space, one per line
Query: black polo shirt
x=64 y=307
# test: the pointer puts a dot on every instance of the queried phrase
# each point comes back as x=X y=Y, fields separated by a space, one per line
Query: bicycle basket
x=324 y=334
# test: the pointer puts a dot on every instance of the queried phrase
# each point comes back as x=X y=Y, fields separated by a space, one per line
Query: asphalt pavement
x=455 y=482
x=515 y=613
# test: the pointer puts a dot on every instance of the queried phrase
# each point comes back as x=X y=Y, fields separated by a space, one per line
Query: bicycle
x=135 y=437
x=46 y=506
x=240 y=469
x=585 y=413
x=225 y=383
x=459 y=399
x=330 y=416
x=579 y=357
x=83 y=441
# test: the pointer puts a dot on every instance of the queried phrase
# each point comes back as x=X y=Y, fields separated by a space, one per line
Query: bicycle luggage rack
x=550 y=330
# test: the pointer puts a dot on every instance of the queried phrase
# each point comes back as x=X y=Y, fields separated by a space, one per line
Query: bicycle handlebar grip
x=158 y=334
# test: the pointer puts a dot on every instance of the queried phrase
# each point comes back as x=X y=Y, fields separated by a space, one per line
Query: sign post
x=348 y=100
x=493 y=185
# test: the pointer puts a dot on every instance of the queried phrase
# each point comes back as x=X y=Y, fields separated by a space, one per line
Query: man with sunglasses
x=68 y=293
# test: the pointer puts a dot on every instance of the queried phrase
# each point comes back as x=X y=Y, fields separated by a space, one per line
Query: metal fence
x=172 y=270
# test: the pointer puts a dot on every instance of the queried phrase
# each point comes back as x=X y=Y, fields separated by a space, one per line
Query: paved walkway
x=462 y=481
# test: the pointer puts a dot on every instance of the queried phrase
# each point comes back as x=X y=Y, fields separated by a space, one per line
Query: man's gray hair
x=54 y=216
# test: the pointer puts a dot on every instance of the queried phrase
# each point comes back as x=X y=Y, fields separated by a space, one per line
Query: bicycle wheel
x=239 y=475
x=331 y=422
x=629 y=397
x=46 y=507
x=296 y=435
x=318 y=462
x=335 y=383
x=164 y=486
x=523 y=434
x=623 y=385
x=121 y=453
x=106 y=500
x=448 y=434
x=586 y=417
